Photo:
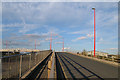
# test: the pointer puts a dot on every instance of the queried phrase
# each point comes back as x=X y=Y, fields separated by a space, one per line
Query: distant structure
x=19 y=50
x=112 y=56
x=97 y=53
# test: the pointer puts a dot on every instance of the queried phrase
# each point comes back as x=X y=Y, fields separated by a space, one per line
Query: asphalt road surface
x=79 y=67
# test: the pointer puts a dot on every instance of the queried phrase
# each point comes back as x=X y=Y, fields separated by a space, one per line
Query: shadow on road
x=93 y=74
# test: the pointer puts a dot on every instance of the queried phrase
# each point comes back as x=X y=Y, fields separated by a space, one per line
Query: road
x=79 y=67
x=0 y=69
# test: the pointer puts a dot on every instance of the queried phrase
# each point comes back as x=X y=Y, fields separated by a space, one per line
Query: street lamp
x=94 y=31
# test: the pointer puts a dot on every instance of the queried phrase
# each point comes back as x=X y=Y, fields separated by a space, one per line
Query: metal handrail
x=18 y=54
x=14 y=55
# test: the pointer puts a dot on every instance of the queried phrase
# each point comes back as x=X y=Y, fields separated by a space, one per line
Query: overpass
x=59 y=65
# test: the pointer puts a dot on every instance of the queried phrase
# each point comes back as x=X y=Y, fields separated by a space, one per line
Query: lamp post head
x=93 y=8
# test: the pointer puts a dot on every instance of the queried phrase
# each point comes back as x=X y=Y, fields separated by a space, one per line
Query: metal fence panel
x=17 y=65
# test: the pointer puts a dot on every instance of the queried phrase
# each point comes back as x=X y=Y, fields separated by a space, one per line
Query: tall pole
x=94 y=31
x=63 y=44
x=51 y=41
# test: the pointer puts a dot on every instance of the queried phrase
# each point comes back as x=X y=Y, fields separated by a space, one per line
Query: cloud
x=76 y=32
x=62 y=14
x=113 y=48
x=23 y=27
x=82 y=31
x=90 y=35
x=29 y=39
x=79 y=38
x=38 y=12
x=56 y=17
x=25 y=40
x=16 y=43
x=67 y=48
x=35 y=36
x=47 y=39
x=101 y=39
x=12 y=25
x=83 y=37
x=58 y=42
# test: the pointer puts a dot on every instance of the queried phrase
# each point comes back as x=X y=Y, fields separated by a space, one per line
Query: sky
x=23 y=23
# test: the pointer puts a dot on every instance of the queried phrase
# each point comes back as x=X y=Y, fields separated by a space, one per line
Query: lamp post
x=94 y=31
x=63 y=45
x=51 y=41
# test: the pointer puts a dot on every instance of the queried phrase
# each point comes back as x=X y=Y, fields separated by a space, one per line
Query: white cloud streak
x=60 y=0
x=83 y=37
x=79 y=38
x=58 y=42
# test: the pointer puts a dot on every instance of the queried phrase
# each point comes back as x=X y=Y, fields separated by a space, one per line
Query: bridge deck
x=79 y=67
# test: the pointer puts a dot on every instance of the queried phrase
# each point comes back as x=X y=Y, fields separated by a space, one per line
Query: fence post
x=9 y=67
x=35 y=58
x=49 y=65
x=1 y=69
x=9 y=64
x=20 y=72
x=30 y=62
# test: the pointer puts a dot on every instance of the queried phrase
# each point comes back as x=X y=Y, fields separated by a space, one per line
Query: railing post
x=20 y=72
x=30 y=62
x=49 y=65
x=9 y=64
x=9 y=67
x=35 y=58
x=1 y=69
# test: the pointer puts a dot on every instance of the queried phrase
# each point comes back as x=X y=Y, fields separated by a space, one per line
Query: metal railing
x=16 y=66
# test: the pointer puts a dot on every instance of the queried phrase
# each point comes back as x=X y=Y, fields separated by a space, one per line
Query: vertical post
x=63 y=44
x=51 y=41
x=30 y=62
x=49 y=65
x=94 y=31
x=35 y=58
x=20 y=72
x=9 y=63
x=49 y=68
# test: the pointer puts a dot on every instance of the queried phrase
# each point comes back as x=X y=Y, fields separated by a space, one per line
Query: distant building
x=98 y=53
x=112 y=56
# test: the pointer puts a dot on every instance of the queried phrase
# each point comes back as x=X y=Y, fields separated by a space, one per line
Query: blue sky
x=23 y=23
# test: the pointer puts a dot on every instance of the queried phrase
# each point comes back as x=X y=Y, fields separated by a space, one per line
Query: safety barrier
x=16 y=66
